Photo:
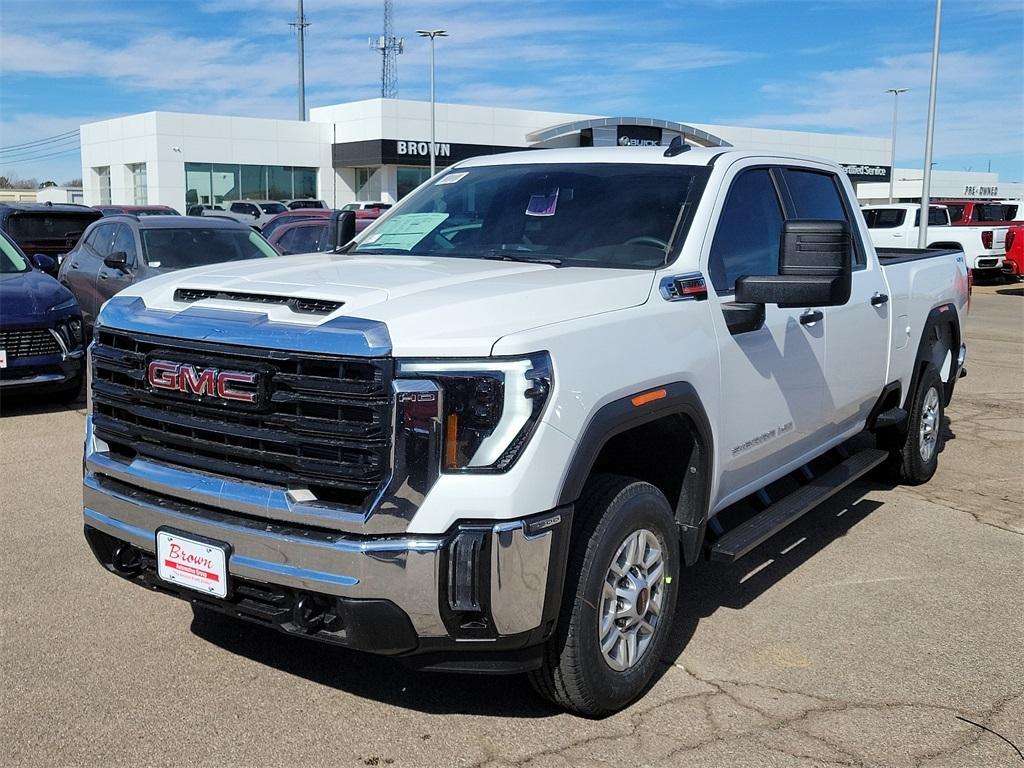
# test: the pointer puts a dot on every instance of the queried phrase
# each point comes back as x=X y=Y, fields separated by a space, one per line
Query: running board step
x=758 y=529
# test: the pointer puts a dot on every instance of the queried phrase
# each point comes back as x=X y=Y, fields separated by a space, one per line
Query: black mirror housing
x=815 y=267
x=44 y=262
x=345 y=228
x=116 y=260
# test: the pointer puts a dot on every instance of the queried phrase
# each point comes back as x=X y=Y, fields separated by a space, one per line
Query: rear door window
x=937 y=217
x=816 y=195
x=884 y=218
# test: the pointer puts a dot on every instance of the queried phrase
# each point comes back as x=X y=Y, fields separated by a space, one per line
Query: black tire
x=907 y=455
x=574 y=673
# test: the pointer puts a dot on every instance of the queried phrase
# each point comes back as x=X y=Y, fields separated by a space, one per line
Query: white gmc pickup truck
x=490 y=432
x=898 y=225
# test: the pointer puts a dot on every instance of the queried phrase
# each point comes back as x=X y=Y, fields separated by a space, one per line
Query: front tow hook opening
x=309 y=613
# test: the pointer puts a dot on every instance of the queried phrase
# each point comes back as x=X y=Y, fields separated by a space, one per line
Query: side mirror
x=345 y=228
x=815 y=267
x=44 y=262
x=116 y=260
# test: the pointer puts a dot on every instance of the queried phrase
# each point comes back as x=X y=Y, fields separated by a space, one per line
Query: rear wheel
x=915 y=453
x=619 y=599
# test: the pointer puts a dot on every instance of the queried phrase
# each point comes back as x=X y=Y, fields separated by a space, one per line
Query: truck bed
x=889 y=256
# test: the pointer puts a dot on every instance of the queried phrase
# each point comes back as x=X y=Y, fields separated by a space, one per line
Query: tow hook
x=308 y=613
x=126 y=560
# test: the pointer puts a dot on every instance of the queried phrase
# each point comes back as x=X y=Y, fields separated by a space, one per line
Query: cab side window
x=749 y=227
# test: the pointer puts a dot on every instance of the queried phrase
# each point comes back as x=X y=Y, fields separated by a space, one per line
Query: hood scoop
x=298 y=305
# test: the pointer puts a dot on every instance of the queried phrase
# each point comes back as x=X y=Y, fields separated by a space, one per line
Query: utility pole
x=926 y=183
x=892 y=150
x=300 y=25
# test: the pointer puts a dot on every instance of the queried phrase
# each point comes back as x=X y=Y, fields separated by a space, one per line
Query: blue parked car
x=41 y=343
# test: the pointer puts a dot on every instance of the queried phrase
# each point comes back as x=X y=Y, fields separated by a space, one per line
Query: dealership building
x=379 y=149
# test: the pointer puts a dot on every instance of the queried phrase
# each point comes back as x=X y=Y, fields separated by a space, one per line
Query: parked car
x=137 y=210
x=255 y=213
x=289 y=217
x=972 y=212
x=294 y=205
x=120 y=251
x=366 y=212
x=1013 y=265
x=41 y=341
x=315 y=234
x=890 y=227
x=197 y=210
x=489 y=435
x=46 y=228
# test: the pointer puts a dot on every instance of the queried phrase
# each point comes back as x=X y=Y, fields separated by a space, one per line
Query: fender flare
x=942 y=314
x=621 y=415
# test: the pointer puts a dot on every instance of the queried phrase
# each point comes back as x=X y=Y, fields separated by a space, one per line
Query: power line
x=12 y=161
x=62 y=144
x=47 y=140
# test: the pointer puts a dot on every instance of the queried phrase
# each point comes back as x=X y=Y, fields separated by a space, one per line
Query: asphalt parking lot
x=884 y=629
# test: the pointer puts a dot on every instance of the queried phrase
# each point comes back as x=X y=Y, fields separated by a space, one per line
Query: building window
x=103 y=177
x=217 y=183
x=368 y=184
x=138 y=172
x=409 y=178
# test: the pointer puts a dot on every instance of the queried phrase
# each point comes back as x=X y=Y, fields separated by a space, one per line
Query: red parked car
x=965 y=213
x=313 y=234
x=1013 y=266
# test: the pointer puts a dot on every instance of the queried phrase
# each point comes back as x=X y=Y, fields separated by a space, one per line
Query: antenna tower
x=389 y=47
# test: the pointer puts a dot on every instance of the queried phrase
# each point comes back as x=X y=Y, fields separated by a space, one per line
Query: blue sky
x=801 y=65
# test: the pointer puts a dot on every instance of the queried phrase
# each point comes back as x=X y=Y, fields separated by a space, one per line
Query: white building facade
x=379 y=149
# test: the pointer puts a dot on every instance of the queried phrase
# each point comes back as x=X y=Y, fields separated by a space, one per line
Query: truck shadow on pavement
x=28 y=404
x=708 y=586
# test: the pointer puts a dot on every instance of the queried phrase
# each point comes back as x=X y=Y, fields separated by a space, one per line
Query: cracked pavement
x=855 y=638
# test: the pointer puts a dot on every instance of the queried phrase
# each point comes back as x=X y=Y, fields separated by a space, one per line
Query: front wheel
x=619 y=599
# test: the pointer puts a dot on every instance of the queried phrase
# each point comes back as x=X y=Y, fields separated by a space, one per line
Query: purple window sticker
x=543 y=205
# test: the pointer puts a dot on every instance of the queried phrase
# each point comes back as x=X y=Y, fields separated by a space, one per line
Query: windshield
x=273 y=207
x=194 y=247
x=25 y=226
x=158 y=212
x=11 y=262
x=600 y=215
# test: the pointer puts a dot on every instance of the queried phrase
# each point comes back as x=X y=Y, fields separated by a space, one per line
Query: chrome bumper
x=409 y=571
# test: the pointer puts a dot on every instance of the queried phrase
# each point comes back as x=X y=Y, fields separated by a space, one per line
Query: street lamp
x=892 y=151
x=926 y=185
x=432 y=33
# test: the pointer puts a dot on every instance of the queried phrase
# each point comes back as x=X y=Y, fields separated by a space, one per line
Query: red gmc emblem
x=204 y=382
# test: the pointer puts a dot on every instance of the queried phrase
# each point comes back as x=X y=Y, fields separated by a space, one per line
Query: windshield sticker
x=451 y=178
x=405 y=231
x=543 y=205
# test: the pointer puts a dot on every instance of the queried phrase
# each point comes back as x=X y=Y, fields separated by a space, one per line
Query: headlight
x=71 y=303
x=491 y=407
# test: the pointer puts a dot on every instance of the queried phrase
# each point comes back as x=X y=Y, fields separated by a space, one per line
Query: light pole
x=892 y=151
x=926 y=184
x=432 y=33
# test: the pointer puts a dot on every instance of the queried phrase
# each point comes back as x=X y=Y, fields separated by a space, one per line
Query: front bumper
x=44 y=370
x=425 y=592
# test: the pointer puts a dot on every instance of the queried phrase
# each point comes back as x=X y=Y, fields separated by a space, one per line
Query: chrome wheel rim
x=631 y=600
x=929 y=424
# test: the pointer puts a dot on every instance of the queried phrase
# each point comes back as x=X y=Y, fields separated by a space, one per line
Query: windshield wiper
x=496 y=255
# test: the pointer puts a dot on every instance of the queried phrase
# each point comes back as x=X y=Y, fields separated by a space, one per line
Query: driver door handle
x=879 y=299
x=811 y=316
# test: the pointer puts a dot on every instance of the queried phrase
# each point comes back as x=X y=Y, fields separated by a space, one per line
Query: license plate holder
x=194 y=562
